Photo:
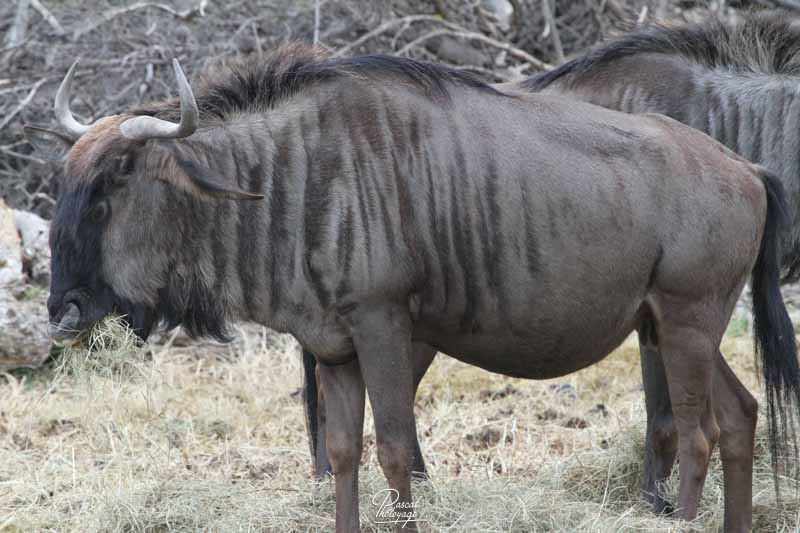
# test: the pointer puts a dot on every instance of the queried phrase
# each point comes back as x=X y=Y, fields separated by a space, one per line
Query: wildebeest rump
x=364 y=204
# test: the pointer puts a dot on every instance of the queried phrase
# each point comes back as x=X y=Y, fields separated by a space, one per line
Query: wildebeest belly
x=546 y=351
x=544 y=330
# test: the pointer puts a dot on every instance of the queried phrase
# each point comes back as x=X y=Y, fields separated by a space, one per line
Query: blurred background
x=125 y=48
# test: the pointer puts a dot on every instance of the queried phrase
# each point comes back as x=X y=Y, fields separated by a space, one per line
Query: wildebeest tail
x=773 y=331
x=310 y=398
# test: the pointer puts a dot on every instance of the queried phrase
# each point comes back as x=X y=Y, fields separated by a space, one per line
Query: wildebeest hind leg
x=322 y=465
x=382 y=338
x=689 y=346
x=423 y=357
x=344 y=404
x=737 y=411
x=661 y=438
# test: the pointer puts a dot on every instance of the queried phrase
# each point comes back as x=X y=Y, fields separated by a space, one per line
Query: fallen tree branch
x=451 y=29
x=48 y=16
x=383 y=28
x=25 y=157
x=22 y=105
x=111 y=14
x=614 y=8
x=316 y=23
x=511 y=50
x=788 y=4
x=554 y=35
x=16 y=33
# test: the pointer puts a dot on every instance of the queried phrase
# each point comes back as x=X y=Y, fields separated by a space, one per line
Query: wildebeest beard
x=192 y=306
x=188 y=305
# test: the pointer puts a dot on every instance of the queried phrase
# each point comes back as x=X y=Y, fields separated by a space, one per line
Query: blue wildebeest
x=739 y=83
x=367 y=204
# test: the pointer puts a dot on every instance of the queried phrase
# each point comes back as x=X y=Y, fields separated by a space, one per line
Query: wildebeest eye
x=99 y=212
x=125 y=164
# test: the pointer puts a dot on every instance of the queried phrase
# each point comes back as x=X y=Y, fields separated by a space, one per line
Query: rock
x=24 y=335
x=564 y=390
x=576 y=422
x=497 y=394
x=33 y=231
x=10 y=248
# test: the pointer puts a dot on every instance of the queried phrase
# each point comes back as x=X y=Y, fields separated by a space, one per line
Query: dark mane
x=759 y=44
x=259 y=83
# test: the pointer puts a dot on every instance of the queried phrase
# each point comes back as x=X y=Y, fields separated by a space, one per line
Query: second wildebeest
x=739 y=82
x=366 y=204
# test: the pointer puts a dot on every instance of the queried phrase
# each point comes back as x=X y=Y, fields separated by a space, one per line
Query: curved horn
x=142 y=128
x=73 y=128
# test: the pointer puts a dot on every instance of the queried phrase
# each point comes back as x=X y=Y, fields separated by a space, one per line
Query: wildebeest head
x=118 y=225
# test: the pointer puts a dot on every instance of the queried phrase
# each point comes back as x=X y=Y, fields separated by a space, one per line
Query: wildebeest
x=369 y=203
x=738 y=82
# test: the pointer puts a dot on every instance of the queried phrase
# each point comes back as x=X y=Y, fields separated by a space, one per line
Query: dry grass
x=212 y=438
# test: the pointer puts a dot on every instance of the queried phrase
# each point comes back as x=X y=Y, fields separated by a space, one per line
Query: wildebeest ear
x=204 y=181
x=49 y=144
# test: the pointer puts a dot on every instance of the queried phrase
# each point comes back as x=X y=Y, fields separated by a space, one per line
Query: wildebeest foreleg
x=423 y=355
x=344 y=397
x=736 y=411
x=689 y=354
x=661 y=439
x=382 y=338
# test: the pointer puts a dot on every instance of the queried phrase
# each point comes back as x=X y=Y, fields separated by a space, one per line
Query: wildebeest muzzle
x=75 y=312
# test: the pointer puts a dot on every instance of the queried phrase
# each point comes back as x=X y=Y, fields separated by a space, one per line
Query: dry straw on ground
x=177 y=438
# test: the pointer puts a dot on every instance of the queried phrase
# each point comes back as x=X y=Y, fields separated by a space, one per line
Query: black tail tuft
x=774 y=333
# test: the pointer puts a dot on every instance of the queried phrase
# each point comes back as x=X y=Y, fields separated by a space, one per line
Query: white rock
x=10 y=249
x=33 y=231
x=24 y=335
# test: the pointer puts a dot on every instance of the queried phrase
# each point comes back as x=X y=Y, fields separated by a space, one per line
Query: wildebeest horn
x=73 y=128
x=142 y=128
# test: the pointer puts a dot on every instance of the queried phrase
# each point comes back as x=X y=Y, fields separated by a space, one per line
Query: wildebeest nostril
x=67 y=326
x=57 y=304
x=53 y=306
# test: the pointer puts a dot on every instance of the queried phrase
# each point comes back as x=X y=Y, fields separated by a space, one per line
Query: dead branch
x=316 y=23
x=516 y=52
x=48 y=16
x=19 y=155
x=16 y=34
x=22 y=105
x=788 y=4
x=551 y=23
x=111 y=14
x=617 y=10
x=383 y=28
x=450 y=29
